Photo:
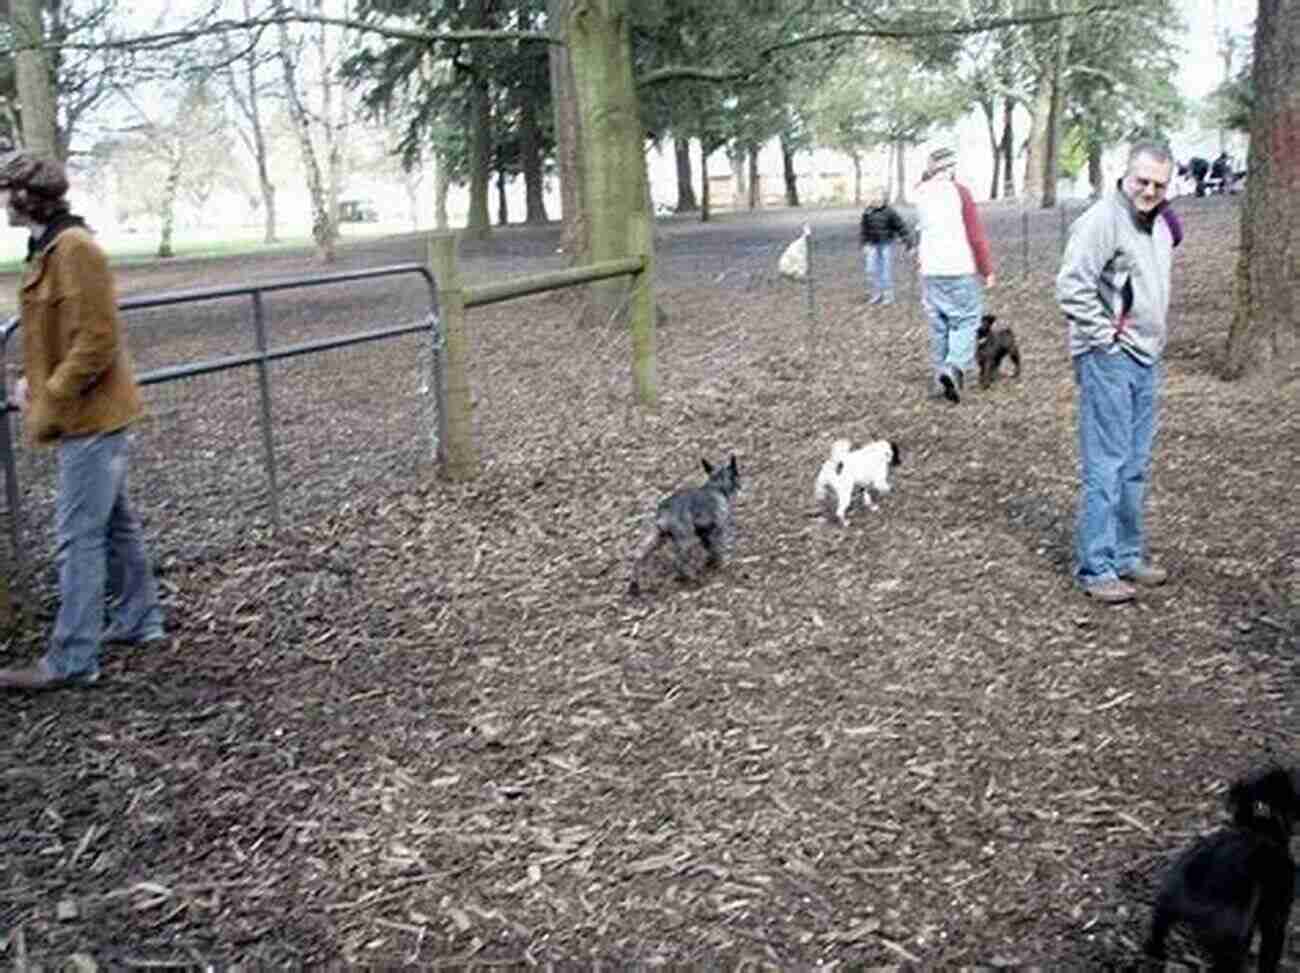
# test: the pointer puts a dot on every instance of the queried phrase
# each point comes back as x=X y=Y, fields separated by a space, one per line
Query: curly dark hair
x=37 y=207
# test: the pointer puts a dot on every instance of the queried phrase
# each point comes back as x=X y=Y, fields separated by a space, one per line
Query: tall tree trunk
x=600 y=43
x=989 y=107
x=1036 y=139
x=568 y=135
x=531 y=161
x=441 y=189
x=245 y=93
x=324 y=231
x=790 y=176
x=739 y=157
x=1095 y=175
x=477 y=223
x=685 y=191
x=755 y=180
x=1265 y=327
x=705 y=210
x=34 y=80
x=503 y=208
x=857 y=178
x=1052 y=149
x=900 y=161
x=167 y=202
x=1008 y=150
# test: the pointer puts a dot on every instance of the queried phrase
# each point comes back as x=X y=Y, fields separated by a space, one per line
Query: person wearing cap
x=953 y=254
x=78 y=394
x=1113 y=287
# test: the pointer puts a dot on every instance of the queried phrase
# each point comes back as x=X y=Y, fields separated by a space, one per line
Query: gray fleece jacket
x=1114 y=280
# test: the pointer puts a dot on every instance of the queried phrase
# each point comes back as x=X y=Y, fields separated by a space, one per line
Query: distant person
x=1113 y=287
x=881 y=227
x=1221 y=173
x=953 y=253
x=1200 y=169
x=78 y=393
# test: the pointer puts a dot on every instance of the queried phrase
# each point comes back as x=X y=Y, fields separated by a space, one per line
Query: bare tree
x=247 y=87
x=35 y=80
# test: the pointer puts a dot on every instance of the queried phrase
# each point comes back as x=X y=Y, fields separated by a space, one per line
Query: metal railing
x=260 y=358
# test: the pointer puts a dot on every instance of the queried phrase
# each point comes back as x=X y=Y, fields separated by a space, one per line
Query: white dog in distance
x=847 y=468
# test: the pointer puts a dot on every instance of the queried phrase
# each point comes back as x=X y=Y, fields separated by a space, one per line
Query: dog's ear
x=895 y=454
x=989 y=319
x=708 y=467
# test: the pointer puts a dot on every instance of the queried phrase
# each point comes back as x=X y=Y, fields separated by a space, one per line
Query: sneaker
x=1112 y=591
x=951 y=382
x=875 y=299
x=149 y=638
x=36 y=678
x=1146 y=575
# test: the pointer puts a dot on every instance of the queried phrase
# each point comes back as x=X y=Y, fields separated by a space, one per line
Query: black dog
x=704 y=512
x=991 y=347
x=1237 y=880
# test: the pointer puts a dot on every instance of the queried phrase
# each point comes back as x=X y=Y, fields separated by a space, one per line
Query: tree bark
x=1052 y=146
x=705 y=200
x=568 y=135
x=1094 y=167
x=477 y=223
x=530 y=146
x=324 y=231
x=1265 y=330
x=900 y=161
x=738 y=158
x=1008 y=150
x=989 y=108
x=167 y=202
x=1036 y=140
x=787 y=171
x=685 y=191
x=755 y=180
x=441 y=189
x=34 y=80
x=617 y=190
x=503 y=208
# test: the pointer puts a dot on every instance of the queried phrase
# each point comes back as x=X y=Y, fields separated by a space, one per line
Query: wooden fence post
x=462 y=459
x=641 y=312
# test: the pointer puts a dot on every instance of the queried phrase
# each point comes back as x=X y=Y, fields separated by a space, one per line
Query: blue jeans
x=878 y=262
x=1117 y=426
x=99 y=547
x=953 y=306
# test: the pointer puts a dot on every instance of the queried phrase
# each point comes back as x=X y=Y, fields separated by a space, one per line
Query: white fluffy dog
x=847 y=468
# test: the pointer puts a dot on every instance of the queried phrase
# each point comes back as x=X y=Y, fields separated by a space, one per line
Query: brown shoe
x=1110 y=592
x=36 y=678
x=1146 y=575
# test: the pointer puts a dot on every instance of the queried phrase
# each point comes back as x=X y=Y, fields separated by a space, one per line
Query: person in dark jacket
x=78 y=394
x=881 y=227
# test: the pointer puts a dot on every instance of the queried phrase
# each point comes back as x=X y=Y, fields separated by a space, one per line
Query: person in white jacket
x=953 y=254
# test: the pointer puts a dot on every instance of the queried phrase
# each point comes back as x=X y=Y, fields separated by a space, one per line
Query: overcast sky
x=1201 y=68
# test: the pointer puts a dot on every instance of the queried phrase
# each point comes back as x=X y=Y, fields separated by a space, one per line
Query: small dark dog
x=705 y=512
x=1237 y=880
x=991 y=347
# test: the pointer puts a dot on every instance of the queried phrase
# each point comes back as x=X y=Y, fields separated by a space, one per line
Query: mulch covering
x=424 y=723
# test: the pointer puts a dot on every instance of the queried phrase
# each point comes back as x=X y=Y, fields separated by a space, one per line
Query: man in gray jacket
x=1114 y=289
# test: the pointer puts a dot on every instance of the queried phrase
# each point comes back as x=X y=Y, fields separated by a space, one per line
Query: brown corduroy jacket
x=79 y=376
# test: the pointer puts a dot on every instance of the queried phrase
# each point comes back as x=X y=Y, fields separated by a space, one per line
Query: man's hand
x=991 y=281
x=20 y=395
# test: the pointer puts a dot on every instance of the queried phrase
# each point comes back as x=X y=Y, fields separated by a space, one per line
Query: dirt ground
x=424 y=724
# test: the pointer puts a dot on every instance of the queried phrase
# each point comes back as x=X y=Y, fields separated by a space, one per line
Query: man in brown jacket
x=78 y=392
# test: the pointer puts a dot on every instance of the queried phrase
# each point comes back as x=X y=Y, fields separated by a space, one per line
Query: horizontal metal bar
x=157 y=376
x=537 y=283
x=214 y=293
